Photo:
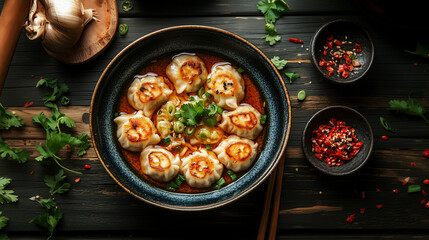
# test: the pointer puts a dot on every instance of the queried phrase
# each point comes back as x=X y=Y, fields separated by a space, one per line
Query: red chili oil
x=335 y=143
x=158 y=66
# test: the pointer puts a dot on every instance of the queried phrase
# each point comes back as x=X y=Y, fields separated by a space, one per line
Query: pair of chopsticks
x=270 y=213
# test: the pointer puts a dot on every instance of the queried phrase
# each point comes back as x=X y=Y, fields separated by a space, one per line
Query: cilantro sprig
x=53 y=214
x=55 y=138
x=6 y=195
x=278 y=63
x=272 y=10
x=194 y=112
x=410 y=107
x=3 y=222
x=292 y=76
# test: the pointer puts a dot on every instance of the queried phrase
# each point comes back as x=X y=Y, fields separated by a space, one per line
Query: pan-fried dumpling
x=136 y=131
x=245 y=121
x=187 y=72
x=236 y=153
x=226 y=86
x=159 y=163
x=147 y=93
x=201 y=169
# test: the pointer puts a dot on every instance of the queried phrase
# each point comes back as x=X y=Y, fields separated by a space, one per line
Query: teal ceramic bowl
x=119 y=74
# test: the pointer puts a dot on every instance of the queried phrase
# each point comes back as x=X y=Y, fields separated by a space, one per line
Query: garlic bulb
x=59 y=23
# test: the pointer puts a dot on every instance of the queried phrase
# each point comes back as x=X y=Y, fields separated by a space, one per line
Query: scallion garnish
x=240 y=70
x=301 y=95
x=175 y=184
x=127 y=6
x=386 y=125
x=220 y=183
x=123 y=29
x=414 y=188
x=263 y=119
x=208 y=147
x=200 y=92
x=232 y=175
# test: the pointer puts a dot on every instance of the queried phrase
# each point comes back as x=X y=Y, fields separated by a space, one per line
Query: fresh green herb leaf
x=208 y=147
x=409 y=107
x=210 y=121
x=13 y=153
x=292 y=76
x=56 y=184
x=48 y=220
x=84 y=145
x=240 y=70
x=422 y=49
x=386 y=125
x=47 y=203
x=272 y=39
x=6 y=196
x=166 y=140
x=8 y=119
x=280 y=64
x=263 y=119
x=57 y=90
x=65 y=100
x=3 y=222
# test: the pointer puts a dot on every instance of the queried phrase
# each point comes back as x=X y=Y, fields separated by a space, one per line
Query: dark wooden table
x=312 y=205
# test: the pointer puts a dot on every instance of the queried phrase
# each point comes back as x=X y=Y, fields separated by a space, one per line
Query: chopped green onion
x=65 y=100
x=208 y=147
x=179 y=179
x=220 y=183
x=171 y=109
x=160 y=111
x=192 y=99
x=212 y=109
x=200 y=91
x=207 y=95
x=301 y=95
x=208 y=80
x=263 y=119
x=166 y=140
x=414 y=188
x=178 y=127
x=204 y=134
x=178 y=149
x=189 y=131
x=240 y=70
x=127 y=6
x=232 y=175
x=123 y=29
x=172 y=186
x=116 y=114
x=386 y=125
x=219 y=110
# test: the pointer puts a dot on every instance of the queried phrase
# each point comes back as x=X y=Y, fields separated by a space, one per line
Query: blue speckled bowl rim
x=277 y=134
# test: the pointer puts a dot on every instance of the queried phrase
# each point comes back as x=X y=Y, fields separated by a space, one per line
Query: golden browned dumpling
x=201 y=169
x=187 y=72
x=135 y=131
x=236 y=153
x=245 y=121
x=226 y=86
x=147 y=93
x=159 y=163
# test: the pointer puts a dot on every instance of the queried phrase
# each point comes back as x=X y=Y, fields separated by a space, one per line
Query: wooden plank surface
x=310 y=202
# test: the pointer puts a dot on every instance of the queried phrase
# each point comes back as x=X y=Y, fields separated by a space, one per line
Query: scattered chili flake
x=41 y=77
x=423 y=201
x=363 y=194
x=406 y=180
x=385 y=138
x=87 y=166
x=379 y=206
x=336 y=42
x=330 y=37
x=32 y=75
x=413 y=164
x=426 y=153
x=351 y=218
x=424 y=193
x=68 y=147
x=362 y=211
x=24 y=142
x=415 y=64
x=335 y=142
x=32 y=172
x=77 y=180
x=378 y=189
x=426 y=181
x=295 y=40
x=395 y=191
x=28 y=104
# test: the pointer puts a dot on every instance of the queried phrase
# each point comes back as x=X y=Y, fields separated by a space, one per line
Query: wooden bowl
x=96 y=36
x=356 y=34
x=352 y=118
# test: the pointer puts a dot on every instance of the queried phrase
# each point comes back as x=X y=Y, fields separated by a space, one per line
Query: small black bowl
x=355 y=34
x=353 y=119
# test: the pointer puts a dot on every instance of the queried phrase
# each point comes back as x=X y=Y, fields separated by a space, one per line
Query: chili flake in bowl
x=342 y=51
x=337 y=140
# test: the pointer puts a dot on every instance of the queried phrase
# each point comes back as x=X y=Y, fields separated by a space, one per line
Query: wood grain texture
x=310 y=201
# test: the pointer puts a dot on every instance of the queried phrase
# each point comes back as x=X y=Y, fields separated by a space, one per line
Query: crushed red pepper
x=351 y=218
x=335 y=143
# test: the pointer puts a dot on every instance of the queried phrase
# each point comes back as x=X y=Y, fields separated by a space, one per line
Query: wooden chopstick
x=267 y=207
x=276 y=201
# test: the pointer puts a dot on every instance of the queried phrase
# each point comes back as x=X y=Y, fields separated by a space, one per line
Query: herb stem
x=56 y=158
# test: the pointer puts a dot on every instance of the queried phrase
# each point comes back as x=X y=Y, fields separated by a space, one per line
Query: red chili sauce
x=158 y=66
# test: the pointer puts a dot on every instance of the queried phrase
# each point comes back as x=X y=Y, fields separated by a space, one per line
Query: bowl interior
x=356 y=34
x=353 y=119
x=118 y=76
